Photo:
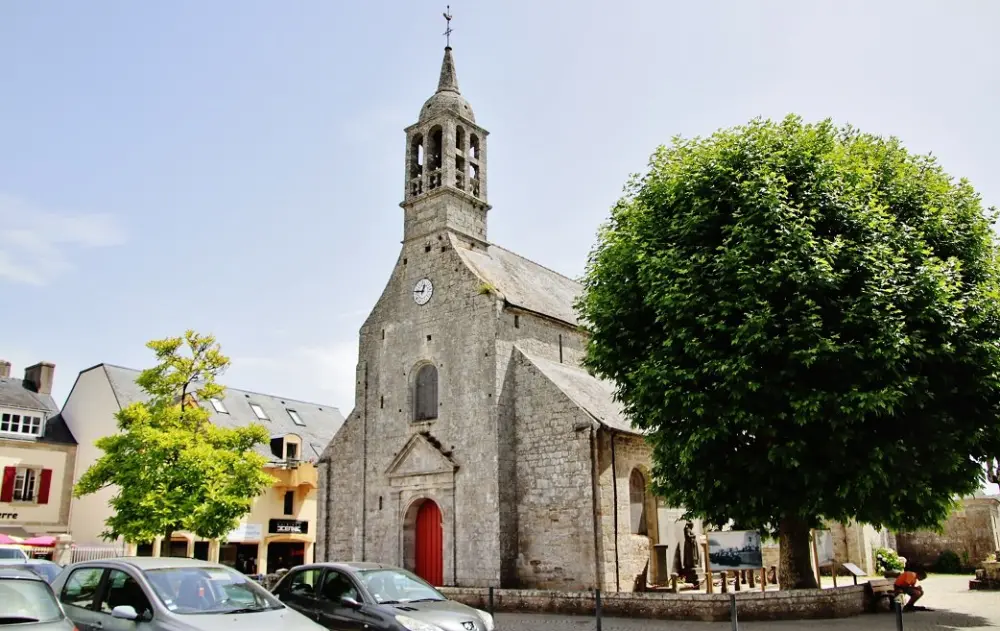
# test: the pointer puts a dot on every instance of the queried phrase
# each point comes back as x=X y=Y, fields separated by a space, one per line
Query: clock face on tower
x=422 y=291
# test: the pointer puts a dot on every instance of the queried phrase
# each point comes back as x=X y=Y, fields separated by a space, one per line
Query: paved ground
x=954 y=607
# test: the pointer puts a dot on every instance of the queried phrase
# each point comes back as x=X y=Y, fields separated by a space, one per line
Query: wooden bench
x=882 y=588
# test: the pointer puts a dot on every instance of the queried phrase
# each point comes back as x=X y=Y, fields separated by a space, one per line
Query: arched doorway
x=424 y=555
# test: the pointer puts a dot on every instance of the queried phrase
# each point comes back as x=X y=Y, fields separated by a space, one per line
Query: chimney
x=38 y=378
x=4 y=369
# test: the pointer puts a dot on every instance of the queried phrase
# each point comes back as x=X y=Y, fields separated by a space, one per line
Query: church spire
x=449 y=78
x=446 y=162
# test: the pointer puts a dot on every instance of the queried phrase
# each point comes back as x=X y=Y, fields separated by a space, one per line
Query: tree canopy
x=173 y=469
x=805 y=319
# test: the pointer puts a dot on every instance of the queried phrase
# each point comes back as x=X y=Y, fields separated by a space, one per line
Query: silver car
x=27 y=603
x=169 y=594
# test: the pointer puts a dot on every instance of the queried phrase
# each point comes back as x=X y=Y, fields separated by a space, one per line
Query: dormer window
x=20 y=424
x=258 y=412
x=291 y=451
x=296 y=418
x=219 y=406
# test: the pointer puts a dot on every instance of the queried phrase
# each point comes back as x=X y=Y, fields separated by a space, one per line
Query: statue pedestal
x=987 y=577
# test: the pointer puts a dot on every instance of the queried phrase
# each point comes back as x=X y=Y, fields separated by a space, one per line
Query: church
x=479 y=452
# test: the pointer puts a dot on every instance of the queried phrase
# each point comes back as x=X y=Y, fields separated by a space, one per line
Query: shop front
x=289 y=543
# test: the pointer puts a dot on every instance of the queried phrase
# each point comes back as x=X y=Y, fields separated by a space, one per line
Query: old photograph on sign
x=824 y=548
x=734 y=550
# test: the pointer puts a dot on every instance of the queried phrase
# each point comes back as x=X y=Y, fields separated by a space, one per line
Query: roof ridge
x=263 y=394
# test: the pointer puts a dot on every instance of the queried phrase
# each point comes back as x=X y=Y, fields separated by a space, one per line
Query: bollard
x=732 y=612
x=491 y=601
x=597 y=608
x=899 y=614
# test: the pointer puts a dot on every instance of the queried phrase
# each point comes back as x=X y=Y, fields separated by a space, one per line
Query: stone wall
x=625 y=555
x=972 y=532
x=841 y=602
x=554 y=485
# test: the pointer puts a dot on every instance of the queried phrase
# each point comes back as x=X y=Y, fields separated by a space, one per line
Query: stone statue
x=692 y=556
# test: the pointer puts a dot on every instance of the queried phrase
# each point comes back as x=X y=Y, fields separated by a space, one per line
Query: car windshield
x=23 y=600
x=209 y=589
x=397 y=586
x=12 y=553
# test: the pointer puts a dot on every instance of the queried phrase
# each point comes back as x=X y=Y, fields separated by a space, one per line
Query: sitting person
x=908 y=583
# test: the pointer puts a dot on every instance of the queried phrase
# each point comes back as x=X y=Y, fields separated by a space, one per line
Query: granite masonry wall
x=972 y=532
x=554 y=481
x=841 y=602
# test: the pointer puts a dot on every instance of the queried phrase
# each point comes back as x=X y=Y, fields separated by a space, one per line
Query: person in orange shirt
x=908 y=583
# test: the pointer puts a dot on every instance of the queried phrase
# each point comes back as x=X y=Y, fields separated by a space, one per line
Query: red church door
x=429 y=558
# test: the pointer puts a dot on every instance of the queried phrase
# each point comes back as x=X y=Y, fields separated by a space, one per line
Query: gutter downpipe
x=594 y=490
x=614 y=493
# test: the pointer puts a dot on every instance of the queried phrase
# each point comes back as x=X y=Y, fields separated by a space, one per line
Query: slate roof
x=321 y=421
x=524 y=283
x=13 y=394
x=595 y=396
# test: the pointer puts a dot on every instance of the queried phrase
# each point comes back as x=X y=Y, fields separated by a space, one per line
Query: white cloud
x=37 y=245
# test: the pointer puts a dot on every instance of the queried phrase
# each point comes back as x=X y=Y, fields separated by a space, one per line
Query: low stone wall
x=840 y=602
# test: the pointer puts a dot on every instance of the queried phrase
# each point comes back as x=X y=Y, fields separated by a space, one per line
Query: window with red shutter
x=44 y=485
x=7 y=490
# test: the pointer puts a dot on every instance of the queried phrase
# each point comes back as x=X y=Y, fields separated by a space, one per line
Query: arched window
x=416 y=165
x=637 y=500
x=459 y=157
x=425 y=393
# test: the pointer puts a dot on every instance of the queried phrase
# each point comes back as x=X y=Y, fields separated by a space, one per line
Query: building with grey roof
x=37 y=455
x=282 y=519
x=489 y=455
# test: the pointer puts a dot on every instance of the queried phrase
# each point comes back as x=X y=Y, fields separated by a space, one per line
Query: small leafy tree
x=172 y=468
x=805 y=319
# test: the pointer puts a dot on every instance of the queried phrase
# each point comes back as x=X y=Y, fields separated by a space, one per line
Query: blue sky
x=236 y=167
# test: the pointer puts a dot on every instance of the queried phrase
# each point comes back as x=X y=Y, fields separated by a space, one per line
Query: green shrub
x=887 y=560
x=948 y=563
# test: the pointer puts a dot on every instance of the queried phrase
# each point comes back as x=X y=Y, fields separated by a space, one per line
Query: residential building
x=37 y=455
x=280 y=530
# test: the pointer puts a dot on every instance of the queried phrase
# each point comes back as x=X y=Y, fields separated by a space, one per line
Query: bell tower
x=445 y=165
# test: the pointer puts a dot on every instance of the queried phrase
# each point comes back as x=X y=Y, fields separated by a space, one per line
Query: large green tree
x=173 y=469
x=805 y=319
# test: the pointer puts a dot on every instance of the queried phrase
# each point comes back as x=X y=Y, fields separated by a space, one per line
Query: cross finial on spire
x=447 y=19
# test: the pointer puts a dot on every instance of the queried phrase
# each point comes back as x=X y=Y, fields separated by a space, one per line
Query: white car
x=12 y=552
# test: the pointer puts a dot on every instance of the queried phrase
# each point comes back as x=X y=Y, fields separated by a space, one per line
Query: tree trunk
x=795 y=569
x=166 y=542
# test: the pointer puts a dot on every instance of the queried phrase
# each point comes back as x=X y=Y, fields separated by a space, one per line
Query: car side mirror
x=124 y=612
x=347 y=601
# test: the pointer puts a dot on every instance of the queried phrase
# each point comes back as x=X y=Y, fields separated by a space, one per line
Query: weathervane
x=447 y=32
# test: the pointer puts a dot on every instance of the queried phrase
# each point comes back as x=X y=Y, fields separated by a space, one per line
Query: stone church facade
x=479 y=452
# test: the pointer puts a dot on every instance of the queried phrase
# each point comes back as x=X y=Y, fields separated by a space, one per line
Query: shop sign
x=288 y=527
x=246 y=532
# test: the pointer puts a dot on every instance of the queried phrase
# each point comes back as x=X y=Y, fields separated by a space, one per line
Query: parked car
x=27 y=601
x=347 y=596
x=12 y=552
x=169 y=594
x=42 y=567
